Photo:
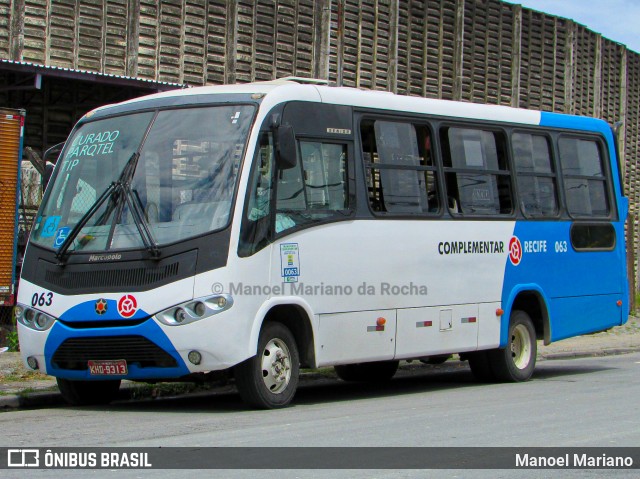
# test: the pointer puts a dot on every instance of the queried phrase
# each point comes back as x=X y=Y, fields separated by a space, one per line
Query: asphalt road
x=568 y=403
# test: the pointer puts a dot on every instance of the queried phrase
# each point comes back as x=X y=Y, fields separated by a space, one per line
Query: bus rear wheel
x=480 y=365
x=86 y=393
x=378 y=371
x=517 y=361
x=269 y=379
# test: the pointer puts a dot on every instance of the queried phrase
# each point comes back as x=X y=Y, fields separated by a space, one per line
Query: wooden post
x=16 y=33
x=340 y=43
x=622 y=116
x=133 y=38
x=597 y=78
x=569 y=67
x=321 y=37
x=516 y=58
x=232 y=40
x=458 y=51
x=392 y=72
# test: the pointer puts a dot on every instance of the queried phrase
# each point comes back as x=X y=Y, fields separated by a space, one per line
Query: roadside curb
x=49 y=398
x=53 y=398
x=589 y=354
x=31 y=400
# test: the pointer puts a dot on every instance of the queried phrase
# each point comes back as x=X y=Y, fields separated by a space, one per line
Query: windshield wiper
x=135 y=206
x=60 y=254
x=119 y=187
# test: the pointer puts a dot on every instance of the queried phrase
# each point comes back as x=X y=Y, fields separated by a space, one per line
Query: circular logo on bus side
x=127 y=306
x=515 y=251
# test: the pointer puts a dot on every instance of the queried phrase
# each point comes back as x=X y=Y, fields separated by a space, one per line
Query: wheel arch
x=296 y=317
x=531 y=299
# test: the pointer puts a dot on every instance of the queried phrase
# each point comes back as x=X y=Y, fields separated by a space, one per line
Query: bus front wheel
x=86 y=393
x=269 y=379
x=517 y=361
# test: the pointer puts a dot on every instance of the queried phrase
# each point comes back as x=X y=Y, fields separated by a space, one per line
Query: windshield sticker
x=92 y=144
x=61 y=235
x=68 y=165
x=290 y=262
x=50 y=226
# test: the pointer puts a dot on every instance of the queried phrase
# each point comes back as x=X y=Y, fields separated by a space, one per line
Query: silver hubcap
x=521 y=346
x=276 y=366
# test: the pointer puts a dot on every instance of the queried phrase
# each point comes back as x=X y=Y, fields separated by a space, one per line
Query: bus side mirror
x=48 y=171
x=49 y=155
x=286 y=151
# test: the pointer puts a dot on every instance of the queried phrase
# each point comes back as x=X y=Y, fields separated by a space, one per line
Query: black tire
x=516 y=362
x=480 y=366
x=269 y=379
x=379 y=371
x=86 y=393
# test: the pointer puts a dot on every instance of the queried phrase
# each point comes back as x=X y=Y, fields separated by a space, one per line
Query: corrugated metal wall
x=482 y=51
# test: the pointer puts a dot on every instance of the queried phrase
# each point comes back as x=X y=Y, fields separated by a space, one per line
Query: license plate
x=117 y=367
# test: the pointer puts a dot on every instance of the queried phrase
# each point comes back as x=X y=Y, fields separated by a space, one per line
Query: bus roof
x=271 y=93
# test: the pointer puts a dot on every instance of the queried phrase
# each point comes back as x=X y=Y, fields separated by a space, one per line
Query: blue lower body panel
x=144 y=365
x=584 y=314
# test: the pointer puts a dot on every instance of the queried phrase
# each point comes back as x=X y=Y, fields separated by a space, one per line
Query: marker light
x=200 y=309
x=41 y=321
x=194 y=357
x=220 y=301
x=180 y=315
x=29 y=315
x=33 y=363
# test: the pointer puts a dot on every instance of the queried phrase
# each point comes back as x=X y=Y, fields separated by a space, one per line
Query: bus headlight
x=195 y=310
x=33 y=319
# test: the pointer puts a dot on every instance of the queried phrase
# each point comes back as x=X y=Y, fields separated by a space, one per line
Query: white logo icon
x=23 y=458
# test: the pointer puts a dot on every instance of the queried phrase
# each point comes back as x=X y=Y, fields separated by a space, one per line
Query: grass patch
x=27 y=391
x=22 y=375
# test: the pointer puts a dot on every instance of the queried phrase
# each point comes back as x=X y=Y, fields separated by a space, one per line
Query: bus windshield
x=180 y=168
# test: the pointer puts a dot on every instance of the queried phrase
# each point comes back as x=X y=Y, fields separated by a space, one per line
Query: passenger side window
x=477 y=176
x=315 y=189
x=535 y=175
x=585 y=183
x=401 y=175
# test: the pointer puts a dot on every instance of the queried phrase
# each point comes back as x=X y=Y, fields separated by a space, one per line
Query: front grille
x=104 y=278
x=74 y=353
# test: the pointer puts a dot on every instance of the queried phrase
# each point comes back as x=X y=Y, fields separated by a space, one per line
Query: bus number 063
x=42 y=299
x=561 y=247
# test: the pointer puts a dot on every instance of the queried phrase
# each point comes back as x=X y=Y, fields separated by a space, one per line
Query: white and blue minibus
x=262 y=228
